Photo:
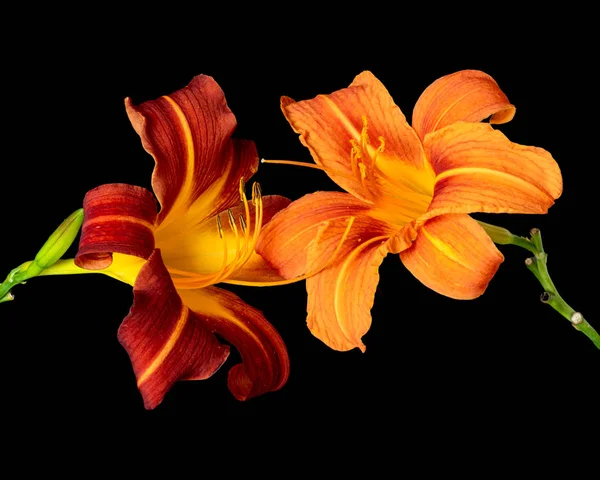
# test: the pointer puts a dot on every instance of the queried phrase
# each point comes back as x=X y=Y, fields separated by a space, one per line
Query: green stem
x=53 y=248
x=123 y=268
x=538 y=265
x=29 y=270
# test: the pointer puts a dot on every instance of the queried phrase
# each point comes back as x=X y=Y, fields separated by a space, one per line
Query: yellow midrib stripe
x=488 y=171
x=311 y=226
x=215 y=310
x=338 y=287
x=168 y=346
x=343 y=118
x=445 y=248
x=453 y=104
x=189 y=141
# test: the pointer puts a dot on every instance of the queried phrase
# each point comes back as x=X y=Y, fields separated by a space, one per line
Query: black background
x=430 y=360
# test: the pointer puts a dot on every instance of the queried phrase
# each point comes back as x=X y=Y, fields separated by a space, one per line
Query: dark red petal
x=265 y=363
x=165 y=340
x=118 y=218
x=189 y=135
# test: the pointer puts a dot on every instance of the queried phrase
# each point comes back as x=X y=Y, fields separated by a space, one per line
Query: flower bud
x=498 y=235
x=59 y=242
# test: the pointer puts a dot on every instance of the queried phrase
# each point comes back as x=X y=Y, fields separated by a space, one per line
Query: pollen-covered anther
x=242 y=189
x=220 y=226
x=258 y=213
x=363 y=163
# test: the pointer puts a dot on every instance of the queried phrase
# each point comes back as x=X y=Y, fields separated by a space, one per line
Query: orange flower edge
x=410 y=190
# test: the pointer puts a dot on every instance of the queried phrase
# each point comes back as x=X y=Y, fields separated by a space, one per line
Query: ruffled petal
x=468 y=95
x=118 y=218
x=198 y=164
x=341 y=296
x=284 y=240
x=479 y=170
x=265 y=363
x=327 y=125
x=200 y=250
x=453 y=256
x=166 y=341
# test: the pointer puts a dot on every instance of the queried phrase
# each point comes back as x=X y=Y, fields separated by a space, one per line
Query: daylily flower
x=410 y=190
x=204 y=233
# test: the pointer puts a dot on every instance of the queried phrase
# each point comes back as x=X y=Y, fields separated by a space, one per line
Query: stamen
x=257 y=201
x=363 y=176
x=224 y=263
x=195 y=280
x=242 y=189
x=246 y=209
x=355 y=157
x=235 y=232
x=364 y=138
x=219 y=226
x=243 y=224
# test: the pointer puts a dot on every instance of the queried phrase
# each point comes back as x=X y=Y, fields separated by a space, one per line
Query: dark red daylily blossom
x=204 y=233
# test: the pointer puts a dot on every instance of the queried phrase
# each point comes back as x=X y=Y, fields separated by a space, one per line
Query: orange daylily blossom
x=204 y=234
x=410 y=190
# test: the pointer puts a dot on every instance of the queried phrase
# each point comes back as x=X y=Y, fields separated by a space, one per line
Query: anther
x=242 y=188
x=219 y=226
x=242 y=223
x=256 y=193
x=231 y=218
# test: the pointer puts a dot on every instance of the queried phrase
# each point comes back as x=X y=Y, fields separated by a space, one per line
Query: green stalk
x=538 y=265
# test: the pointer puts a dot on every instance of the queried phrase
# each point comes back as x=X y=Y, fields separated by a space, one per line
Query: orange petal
x=453 y=256
x=468 y=95
x=265 y=363
x=479 y=170
x=200 y=250
x=341 y=296
x=328 y=123
x=165 y=341
x=197 y=162
x=255 y=270
x=402 y=239
x=118 y=218
x=284 y=240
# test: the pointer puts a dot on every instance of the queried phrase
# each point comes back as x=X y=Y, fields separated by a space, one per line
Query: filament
x=244 y=244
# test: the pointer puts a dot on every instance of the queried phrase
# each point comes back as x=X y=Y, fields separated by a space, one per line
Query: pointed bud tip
x=7 y=298
x=60 y=241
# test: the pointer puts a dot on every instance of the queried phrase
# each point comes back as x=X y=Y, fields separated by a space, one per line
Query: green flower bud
x=58 y=243
x=498 y=235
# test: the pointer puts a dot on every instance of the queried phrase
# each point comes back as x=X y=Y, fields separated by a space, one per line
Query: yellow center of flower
x=363 y=159
x=236 y=244
x=399 y=191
